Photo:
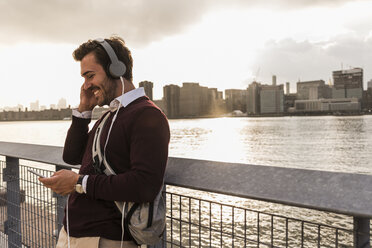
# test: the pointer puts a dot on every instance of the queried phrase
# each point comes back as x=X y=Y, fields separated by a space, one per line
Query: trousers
x=91 y=242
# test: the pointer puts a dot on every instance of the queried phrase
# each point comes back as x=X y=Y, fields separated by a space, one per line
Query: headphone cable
x=67 y=224
x=68 y=196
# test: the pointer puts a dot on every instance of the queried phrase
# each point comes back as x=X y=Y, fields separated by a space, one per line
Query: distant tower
x=147 y=85
x=253 y=98
x=34 y=106
x=62 y=104
x=274 y=80
x=287 y=88
x=171 y=100
x=348 y=83
x=369 y=84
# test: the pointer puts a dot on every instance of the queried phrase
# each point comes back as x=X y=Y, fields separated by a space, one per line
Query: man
x=137 y=150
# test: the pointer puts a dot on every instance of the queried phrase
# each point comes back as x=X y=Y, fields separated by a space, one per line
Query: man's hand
x=87 y=100
x=62 y=182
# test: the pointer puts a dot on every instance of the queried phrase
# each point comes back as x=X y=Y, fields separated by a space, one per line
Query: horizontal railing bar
x=37 y=153
x=343 y=193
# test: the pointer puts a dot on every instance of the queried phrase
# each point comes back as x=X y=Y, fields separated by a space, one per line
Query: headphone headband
x=116 y=68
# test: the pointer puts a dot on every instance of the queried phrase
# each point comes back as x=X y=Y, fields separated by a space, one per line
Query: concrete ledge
x=37 y=153
x=344 y=193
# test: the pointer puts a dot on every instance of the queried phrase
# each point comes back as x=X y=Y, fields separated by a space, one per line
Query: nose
x=87 y=84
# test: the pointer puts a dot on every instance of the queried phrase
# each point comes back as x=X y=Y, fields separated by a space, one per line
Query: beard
x=108 y=92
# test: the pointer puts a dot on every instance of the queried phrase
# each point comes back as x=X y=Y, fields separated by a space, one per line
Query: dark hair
x=121 y=50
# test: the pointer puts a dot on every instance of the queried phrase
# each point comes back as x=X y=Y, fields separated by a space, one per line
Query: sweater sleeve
x=76 y=141
x=148 y=158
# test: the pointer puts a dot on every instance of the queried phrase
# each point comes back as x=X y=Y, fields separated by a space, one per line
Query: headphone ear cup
x=117 y=69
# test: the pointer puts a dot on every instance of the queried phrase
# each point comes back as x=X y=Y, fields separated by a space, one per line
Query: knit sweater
x=137 y=151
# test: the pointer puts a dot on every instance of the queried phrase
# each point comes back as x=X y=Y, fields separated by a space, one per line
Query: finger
x=58 y=172
x=55 y=173
x=48 y=180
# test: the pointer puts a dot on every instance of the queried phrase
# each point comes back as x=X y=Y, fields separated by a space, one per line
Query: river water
x=330 y=143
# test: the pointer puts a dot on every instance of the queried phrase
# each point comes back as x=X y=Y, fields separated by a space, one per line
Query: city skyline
x=62 y=103
x=223 y=44
x=35 y=106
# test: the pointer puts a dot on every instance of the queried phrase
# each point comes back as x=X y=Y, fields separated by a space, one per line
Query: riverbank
x=65 y=114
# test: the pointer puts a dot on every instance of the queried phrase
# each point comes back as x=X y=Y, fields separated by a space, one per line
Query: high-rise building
x=34 y=106
x=289 y=102
x=369 y=84
x=253 y=98
x=348 y=83
x=148 y=86
x=193 y=100
x=215 y=102
x=287 y=88
x=271 y=99
x=236 y=100
x=367 y=99
x=62 y=104
x=348 y=79
x=274 y=80
x=310 y=90
x=171 y=97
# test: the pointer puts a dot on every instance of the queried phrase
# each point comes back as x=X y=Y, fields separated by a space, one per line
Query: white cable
x=104 y=152
x=122 y=85
x=104 y=156
x=122 y=213
x=68 y=229
x=122 y=227
x=114 y=118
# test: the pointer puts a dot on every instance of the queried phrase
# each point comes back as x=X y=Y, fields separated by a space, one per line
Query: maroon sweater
x=137 y=151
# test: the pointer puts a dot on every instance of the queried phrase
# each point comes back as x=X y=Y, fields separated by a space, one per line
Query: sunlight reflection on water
x=322 y=143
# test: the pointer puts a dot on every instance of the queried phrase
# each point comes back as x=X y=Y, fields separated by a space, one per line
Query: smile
x=95 y=92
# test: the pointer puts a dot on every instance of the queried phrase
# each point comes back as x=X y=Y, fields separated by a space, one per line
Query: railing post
x=61 y=202
x=13 y=194
x=361 y=233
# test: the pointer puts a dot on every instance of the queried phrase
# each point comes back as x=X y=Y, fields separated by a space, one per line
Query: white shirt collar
x=127 y=98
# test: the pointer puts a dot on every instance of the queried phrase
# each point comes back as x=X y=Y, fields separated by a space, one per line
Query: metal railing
x=209 y=204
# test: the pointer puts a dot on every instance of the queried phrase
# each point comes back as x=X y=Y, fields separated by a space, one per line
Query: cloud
x=292 y=60
x=70 y=20
x=140 y=21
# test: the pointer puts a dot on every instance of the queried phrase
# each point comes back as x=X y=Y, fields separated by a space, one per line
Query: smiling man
x=136 y=147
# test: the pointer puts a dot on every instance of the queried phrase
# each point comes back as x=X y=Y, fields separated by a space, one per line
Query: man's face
x=96 y=80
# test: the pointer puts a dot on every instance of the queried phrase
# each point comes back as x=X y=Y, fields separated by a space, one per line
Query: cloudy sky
x=218 y=43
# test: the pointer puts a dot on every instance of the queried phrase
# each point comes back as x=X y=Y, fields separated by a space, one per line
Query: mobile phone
x=36 y=173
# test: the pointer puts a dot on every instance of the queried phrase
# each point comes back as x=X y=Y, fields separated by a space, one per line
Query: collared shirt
x=124 y=100
x=127 y=98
